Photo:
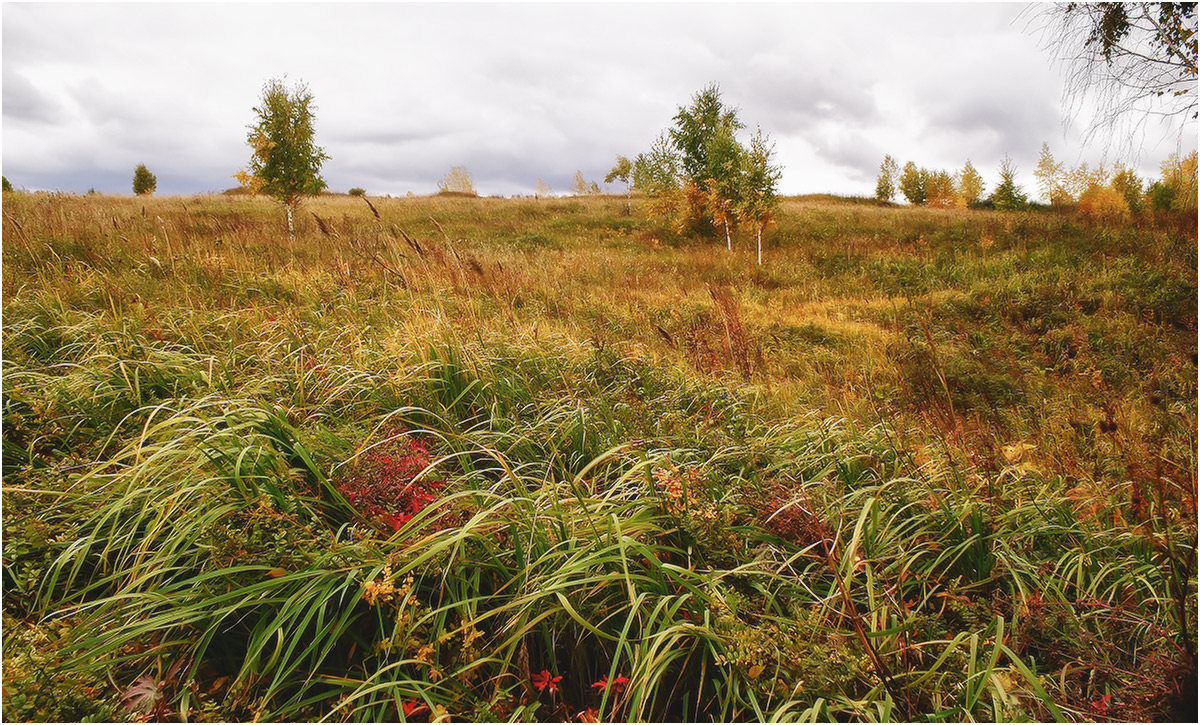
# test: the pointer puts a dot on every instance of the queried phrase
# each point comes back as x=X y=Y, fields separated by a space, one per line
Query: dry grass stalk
x=738 y=348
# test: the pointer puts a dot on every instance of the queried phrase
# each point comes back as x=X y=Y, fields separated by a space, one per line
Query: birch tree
x=285 y=162
x=759 y=185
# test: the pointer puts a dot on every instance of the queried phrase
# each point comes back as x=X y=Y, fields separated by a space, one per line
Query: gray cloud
x=791 y=99
x=999 y=122
x=515 y=92
x=24 y=102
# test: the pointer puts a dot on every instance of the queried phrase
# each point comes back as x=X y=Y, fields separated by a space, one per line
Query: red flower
x=618 y=683
x=543 y=680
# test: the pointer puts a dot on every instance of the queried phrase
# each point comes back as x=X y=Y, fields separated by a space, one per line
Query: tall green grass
x=924 y=466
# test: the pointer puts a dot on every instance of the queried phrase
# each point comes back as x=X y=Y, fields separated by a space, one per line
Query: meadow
x=488 y=459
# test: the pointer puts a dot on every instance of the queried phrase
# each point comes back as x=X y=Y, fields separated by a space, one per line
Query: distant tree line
x=1115 y=193
x=960 y=190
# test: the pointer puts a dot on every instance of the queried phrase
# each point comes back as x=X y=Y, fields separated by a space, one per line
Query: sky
x=518 y=92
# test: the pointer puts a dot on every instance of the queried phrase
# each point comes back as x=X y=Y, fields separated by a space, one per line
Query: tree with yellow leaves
x=1051 y=178
x=970 y=184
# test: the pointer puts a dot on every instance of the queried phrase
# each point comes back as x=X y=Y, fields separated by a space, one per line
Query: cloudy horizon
x=519 y=93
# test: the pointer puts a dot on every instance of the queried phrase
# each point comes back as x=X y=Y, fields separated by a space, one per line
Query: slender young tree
x=285 y=162
x=657 y=174
x=623 y=171
x=913 y=182
x=582 y=187
x=1130 y=186
x=970 y=184
x=1051 y=178
x=701 y=137
x=1008 y=196
x=885 y=187
x=759 y=181
x=724 y=187
x=939 y=189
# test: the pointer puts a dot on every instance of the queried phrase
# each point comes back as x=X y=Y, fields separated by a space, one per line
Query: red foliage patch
x=382 y=483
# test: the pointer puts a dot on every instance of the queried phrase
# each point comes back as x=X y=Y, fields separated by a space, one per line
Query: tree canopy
x=144 y=182
x=285 y=161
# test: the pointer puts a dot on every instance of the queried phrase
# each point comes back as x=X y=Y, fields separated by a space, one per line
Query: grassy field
x=484 y=459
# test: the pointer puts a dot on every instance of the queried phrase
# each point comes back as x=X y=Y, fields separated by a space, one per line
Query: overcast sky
x=518 y=92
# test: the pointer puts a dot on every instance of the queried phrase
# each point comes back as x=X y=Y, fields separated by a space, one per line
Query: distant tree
x=885 y=187
x=1103 y=203
x=622 y=171
x=1077 y=180
x=1177 y=187
x=694 y=173
x=1159 y=196
x=939 y=189
x=657 y=174
x=285 y=162
x=1008 y=196
x=970 y=184
x=758 y=197
x=144 y=182
x=7 y=186
x=1099 y=198
x=542 y=189
x=1050 y=178
x=1131 y=188
x=356 y=191
x=1137 y=59
x=457 y=181
x=581 y=186
x=912 y=183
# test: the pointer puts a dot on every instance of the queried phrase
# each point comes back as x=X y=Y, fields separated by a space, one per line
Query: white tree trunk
x=760 y=244
x=728 y=241
x=291 y=229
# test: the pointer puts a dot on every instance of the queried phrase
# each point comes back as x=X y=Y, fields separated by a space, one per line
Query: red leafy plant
x=382 y=482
